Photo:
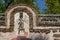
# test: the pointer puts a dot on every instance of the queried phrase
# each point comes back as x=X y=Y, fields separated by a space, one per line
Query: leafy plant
x=5 y=5
x=53 y=6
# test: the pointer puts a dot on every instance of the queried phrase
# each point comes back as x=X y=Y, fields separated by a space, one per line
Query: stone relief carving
x=9 y=16
x=50 y=20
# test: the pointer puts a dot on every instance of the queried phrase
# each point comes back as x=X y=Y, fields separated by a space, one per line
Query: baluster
x=58 y=31
x=51 y=35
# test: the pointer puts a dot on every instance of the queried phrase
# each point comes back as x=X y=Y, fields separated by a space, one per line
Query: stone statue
x=21 y=24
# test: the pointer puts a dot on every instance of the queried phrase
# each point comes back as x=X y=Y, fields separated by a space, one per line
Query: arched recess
x=10 y=12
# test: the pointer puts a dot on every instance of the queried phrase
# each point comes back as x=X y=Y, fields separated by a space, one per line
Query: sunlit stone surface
x=26 y=22
x=48 y=31
x=16 y=21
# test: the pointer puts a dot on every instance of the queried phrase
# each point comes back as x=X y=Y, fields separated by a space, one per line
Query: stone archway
x=18 y=8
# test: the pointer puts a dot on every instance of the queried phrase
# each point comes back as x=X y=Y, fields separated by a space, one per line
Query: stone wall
x=7 y=35
x=54 y=31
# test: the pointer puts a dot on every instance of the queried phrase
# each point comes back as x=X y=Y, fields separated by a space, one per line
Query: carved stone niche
x=10 y=12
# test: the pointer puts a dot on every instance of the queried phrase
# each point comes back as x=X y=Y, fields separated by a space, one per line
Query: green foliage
x=3 y=6
x=53 y=6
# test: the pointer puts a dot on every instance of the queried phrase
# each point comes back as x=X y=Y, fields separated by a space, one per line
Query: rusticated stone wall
x=37 y=22
x=7 y=32
x=10 y=12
